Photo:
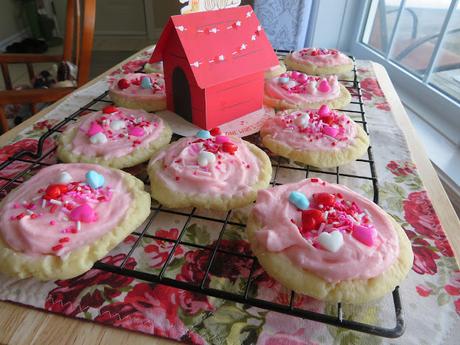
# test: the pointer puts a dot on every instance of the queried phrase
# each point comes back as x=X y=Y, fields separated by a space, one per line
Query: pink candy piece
x=83 y=213
x=331 y=131
x=324 y=110
x=324 y=86
x=136 y=131
x=295 y=74
x=364 y=234
x=302 y=77
x=94 y=128
x=220 y=139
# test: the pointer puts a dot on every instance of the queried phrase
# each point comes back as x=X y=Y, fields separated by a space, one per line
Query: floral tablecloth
x=430 y=294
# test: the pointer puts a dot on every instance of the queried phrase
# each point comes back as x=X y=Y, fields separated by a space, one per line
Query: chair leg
x=3 y=120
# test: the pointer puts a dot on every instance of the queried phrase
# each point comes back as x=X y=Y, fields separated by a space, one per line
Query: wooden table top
x=25 y=326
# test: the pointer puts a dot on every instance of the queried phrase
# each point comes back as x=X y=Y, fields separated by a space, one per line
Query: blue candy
x=146 y=83
x=203 y=134
x=283 y=80
x=94 y=179
x=299 y=200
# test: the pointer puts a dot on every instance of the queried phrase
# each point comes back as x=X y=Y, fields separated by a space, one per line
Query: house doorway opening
x=181 y=94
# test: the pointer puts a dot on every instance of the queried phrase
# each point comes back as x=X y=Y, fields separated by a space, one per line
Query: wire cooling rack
x=337 y=313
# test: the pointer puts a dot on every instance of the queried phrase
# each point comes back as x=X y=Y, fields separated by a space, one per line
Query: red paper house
x=214 y=64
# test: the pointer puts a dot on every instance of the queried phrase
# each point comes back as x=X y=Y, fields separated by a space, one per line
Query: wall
x=11 y=22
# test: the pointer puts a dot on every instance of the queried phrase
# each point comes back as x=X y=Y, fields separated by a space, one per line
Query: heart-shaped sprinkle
x=215 y=131
x=203 y=134
x=94 y=179
x=83 y=213
x=325 y=199
x=93 y=129
x=330 y=131
x=299 y=200
x=331 y=241
x=64 y=177
x=136 y=131
x=220 y=139
x=364 y=234
x=302 y=120
x=117 y=125
x=206 y=158
x=229 y=147
x=109 y=109
x=324 y=86
x=98 y=138
x=123 y=84
x=311 y=219
x=146 y=83
x=324 y=110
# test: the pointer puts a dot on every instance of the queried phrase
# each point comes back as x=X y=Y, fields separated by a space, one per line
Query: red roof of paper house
x=223 y=55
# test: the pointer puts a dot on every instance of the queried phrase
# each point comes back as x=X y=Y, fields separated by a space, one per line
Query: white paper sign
x=206 y=5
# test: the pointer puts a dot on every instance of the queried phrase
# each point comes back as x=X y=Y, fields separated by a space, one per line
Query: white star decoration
x=221 y=58
x=253 y=37
x=243 y=46
x=181 y=28
x=238 y=23
x=249 y=14
x=195 y=64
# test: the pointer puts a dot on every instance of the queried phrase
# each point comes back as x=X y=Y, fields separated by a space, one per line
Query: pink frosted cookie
x=66 y=217
x=328 y=242
x=322 y=138
x=296 y=90
x=209 y=170
x=138 y=91
x=319 y=61
x=115 y=137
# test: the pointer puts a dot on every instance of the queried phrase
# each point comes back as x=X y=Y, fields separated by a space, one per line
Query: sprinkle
x=52 y=222
x=73 y=230
x=43 y=203
x=57 y=247
x=64 y=240
x=55 y=202
x=20 y=216
x=34 y=215
x=321 y=227
x=78 y=225
x=314 y=180
x=36 y=198
x=29 y=212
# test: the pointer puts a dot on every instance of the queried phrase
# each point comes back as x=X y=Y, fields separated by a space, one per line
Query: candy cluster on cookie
x=301 y=83
x=319 y=57
x=326 y=229
x=140 y=84
x=326 y=217
x=320 y=129
x=59 y=214
x=115 y=132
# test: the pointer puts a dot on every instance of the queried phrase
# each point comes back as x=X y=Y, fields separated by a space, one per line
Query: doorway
x=181 y=94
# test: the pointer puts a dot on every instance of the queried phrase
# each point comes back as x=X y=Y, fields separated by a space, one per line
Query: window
x=418 y=41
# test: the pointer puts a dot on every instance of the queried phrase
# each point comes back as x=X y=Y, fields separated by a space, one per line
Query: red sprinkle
x=177 y=178
x=73 y=230
x=123 y=84
x=34 y=215
x=229 y=147
x=20 y=216
x=314 y=179
x=57 y=247
x=53 y=208
x=325 y=199
x=109 y=109
x=64 y=240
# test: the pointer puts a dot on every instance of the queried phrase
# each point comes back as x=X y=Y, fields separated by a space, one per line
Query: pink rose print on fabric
x=73 y=296
x=151 y=309
x=419 y=212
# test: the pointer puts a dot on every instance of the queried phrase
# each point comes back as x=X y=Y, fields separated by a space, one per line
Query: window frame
x=439 y=110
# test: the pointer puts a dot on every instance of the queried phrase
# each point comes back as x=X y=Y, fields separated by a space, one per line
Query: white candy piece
x=117 y=125
x=331 y=241
x=98 y=138
x=65 y=178
x=302 y=120
x=291 y=83
x=205 y=158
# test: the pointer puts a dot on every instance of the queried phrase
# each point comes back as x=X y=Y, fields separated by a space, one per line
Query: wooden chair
x=78 y=45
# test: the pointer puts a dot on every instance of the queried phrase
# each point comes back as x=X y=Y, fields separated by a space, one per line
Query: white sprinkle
x=29 y=212
x=321 y=227
x=56 y=202
x=234 y=53
x=36 y=198
x=326 y=214
x=43 y=203
x=78 y=226
x=24 y=202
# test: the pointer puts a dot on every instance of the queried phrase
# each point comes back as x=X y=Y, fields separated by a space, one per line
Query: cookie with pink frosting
x=323 y=138
x=114 y=137
x=319 y=61
x=138 y=91
x=209 y=170
x=66 y=217
x=328 y=242
x=296 y=90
